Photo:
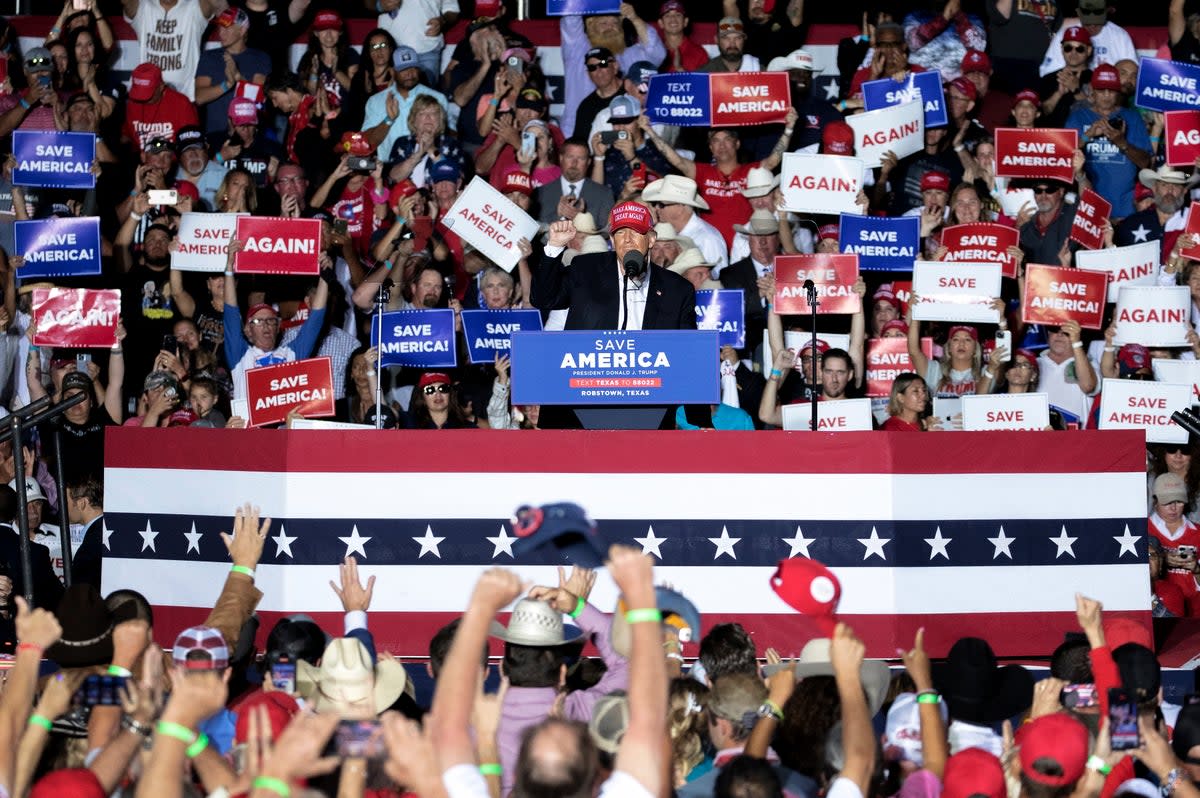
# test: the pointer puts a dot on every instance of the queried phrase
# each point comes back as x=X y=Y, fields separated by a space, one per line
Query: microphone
x=809 y=285
x=634 y=263
x=810 y=292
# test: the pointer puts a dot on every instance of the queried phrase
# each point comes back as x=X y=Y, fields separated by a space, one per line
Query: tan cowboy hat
x=814 y=661
x=593 y=244
x=762 y=223
x=675 y=189
x=666 y=232
x=586 y=223
x=535 y=623
x=689 y=259
x=1148 y=177
x=345 y=683
x=760 y=182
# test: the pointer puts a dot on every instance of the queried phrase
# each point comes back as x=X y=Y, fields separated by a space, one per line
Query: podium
x=615 y=379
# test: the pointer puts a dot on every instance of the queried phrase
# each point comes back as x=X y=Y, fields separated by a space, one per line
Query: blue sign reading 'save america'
x=489 y=332
x=560 y=8
x=617 y=367
x=927 y=85
x=723 y=310
x=58 y=247
x=1168 y=85
x=418 y=338
x=52 y=159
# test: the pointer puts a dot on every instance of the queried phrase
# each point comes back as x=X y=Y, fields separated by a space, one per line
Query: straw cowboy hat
x=675 y=189
x=345 y=683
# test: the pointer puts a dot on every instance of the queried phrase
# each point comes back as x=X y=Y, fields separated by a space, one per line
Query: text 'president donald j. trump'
x=618 y=290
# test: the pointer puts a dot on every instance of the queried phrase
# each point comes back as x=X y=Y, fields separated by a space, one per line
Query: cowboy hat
x=666 y=232
x=593 y=244
x=675 y=189
x=346 y=684
x=535 y=623
x=814 y=661
x=760 y=182
x=586 y=223
x=976 y=689
x=1148 y=177
x=761 y=223
x=690 y=258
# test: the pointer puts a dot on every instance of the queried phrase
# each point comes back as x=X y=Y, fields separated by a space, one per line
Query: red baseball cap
x=186 y=188
x=433 y=378
x=822 y=347
x=71 y=782
x=1077 y=33
x=356 y=143
x=837 y=139
x=976 y=61
x=966 y=87
x=1134 y=356
x=828 y=231
x=671 y=5
x=1059 y=738
x=280 y=707
x=144 y=81
x=405 y=188
x=973 y=771
x=894 y=324
x=810 y=589
x=957 y=328
x=633 y=215
x=1029 y=356
x=885 y=294
x=517 y=180
x=261 y=306
x=935 y=180
x=327 y=20
x=1106 y=76
x=1027 y=96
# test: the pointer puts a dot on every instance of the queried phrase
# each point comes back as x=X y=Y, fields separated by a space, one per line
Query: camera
x=163 y=196
x=611 y=137
x=360 y=163
x=515 y=64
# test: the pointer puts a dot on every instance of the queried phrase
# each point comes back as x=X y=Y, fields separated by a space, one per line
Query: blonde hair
x=422 y=103
x=899 y=386
x=686 y=724
x=945 y=360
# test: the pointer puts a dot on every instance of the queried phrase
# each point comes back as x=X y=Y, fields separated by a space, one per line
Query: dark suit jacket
x=47 y=590
x=87 y=562
x=591 y=289
x=742 y=275
x=597 y=201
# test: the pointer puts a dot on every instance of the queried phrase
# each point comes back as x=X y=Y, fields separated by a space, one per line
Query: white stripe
x=904 y=497
x=865 y=591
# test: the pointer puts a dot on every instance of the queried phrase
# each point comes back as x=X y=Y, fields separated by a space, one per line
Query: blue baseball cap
x=641 y=72
x=405 y=58
x=623 y=108
x=563 y=526
x=444 y=169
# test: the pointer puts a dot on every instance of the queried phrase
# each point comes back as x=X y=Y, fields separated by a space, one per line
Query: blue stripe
x=835 y=543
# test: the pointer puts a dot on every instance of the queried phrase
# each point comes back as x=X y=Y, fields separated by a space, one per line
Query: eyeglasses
x=598 y=65
x=264 y=322
x=286 y=180
x=1045 y=190
x=379 y=46
x=1176 y=450
x=1074 y=48
x=441 y=387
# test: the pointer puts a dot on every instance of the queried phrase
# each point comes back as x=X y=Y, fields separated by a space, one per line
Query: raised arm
x=933 y=730
x=37 y=630
x=644 y=748
x=684 y=167
x=1176 y=22
x=116 y=378
x=920 y=363
x=858 y=333
x=769 y=411
x=772 y=160
x=858 y=738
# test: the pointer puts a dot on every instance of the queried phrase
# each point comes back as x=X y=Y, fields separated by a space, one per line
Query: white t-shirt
x=171 y=38
x=1110 y=45
x=407 y=23
x=1064 y=393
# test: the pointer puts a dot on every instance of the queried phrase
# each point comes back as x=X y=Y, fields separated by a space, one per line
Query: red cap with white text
x=633 y=215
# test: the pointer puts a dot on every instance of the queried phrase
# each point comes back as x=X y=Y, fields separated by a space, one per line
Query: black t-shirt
x=82 y=444
x=1049 y=85
x=148 y=316
x=1186 y=49
x=591 y=106
x=272 y=31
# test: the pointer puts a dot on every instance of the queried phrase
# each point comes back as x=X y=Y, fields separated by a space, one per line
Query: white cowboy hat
x=675 y=189
x=762 y=223
x=689 y=259
x=814 y=661
x=535 y=623
x=345 y=684
x=586 y=223
x=1148 y=177
x=593 y=244
x=760 y=182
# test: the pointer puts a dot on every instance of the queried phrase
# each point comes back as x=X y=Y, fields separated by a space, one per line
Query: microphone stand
x=813 y=303
x=382 y=297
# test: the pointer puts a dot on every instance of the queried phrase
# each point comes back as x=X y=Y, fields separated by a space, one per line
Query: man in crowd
x=221 y=70
x=731 y=49
x=169 y=33
x=573 y=192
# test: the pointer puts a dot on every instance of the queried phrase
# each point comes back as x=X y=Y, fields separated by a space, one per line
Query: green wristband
x=1098 y=764
x=929 y=698
x=776 y=712
x=41 y=720
x=176 y=730
x=491 y=769
x=277 y=786
x=195 y=748
x=117 y=670
x=579 y=605
x=241 y=569
x=644 y=615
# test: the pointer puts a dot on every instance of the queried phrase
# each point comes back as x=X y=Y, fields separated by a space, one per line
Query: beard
x=429 y=302
x=613 y=39
x=1169 y=204
x=157 y=260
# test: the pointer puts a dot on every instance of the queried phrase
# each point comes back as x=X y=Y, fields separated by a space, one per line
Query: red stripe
x=1018 y=636
x=455 y=451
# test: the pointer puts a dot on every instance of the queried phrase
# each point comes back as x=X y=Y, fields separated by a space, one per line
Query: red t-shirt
x=724 y=196
x=1189 y=535
x=358 y=211
x=163 y=119
x=897 y=424
x=688 y=58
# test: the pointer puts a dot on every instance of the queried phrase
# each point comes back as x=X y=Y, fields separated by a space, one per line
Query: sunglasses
x=379 y=46
x=598 y=65
x=1141 y=376
x=1074 y=48
x=731 y=28
x=1045 y=190
x=1176 y=450
x=262 y=322
x=441 y=387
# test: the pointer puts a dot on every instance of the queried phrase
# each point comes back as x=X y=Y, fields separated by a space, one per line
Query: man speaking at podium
x=618 y=290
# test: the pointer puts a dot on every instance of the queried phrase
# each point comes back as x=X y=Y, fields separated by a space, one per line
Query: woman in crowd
x=426 y=143
x=1178 y=536
x=356 y=196
x=1019 y=374
x=908 y=404
x=1179 y=459
x=373 y=76
x=361 y=382
x=435 y=406
x=329 y=63
x=501 y=413
x=959 y=370
x=87 y=71
x=236 y=193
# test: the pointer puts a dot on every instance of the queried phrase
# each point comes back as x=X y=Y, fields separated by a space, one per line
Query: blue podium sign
x=615 y=367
